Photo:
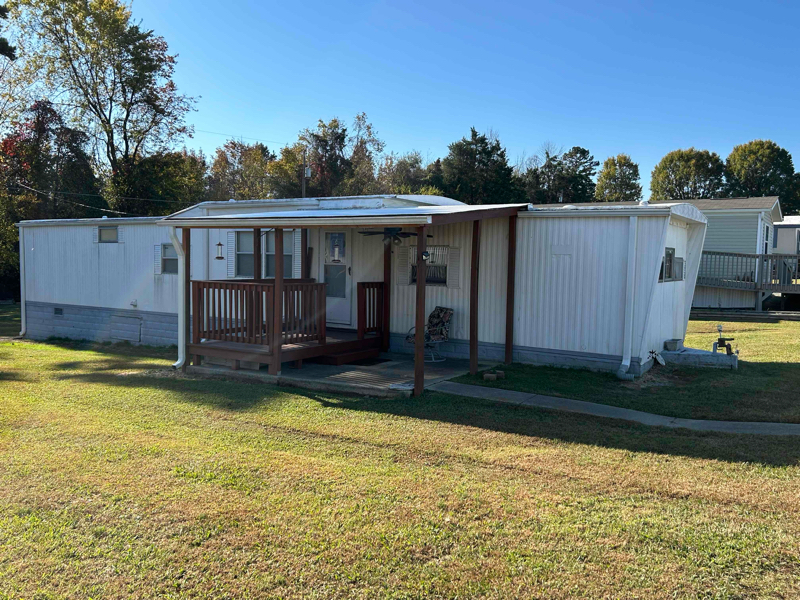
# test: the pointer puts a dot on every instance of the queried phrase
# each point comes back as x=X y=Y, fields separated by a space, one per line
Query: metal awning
x=413 y=216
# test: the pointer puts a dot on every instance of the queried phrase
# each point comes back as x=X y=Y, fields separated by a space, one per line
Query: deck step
x=344 y=358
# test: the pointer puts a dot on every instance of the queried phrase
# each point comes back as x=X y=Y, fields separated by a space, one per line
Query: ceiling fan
x=394 y=235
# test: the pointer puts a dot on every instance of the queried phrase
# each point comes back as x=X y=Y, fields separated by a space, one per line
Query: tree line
x=92 y=124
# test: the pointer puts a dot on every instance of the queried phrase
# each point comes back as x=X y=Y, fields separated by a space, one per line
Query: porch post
x=419 y=335
x=387 y=292
x=277 y=307
x=511 y=281
x=257 y=272
x=187 y=293
x=304 y=253
x=473 y=297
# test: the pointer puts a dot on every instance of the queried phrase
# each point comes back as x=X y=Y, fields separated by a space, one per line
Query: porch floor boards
x=336 y=341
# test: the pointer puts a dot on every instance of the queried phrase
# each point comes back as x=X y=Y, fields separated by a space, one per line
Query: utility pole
x=303 y=175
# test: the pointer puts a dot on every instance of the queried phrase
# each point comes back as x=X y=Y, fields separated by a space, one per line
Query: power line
x=243 y=137
x=107 y=210
x=101 y=196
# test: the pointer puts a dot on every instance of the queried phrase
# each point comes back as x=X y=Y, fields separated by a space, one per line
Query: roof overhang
x=416 y=216
x=683 y=211
x=102 y=221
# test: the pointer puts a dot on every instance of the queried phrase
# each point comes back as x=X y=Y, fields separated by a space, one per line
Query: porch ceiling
x=416 y=216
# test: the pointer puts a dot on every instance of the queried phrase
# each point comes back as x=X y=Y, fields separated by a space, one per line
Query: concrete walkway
x=613 y=412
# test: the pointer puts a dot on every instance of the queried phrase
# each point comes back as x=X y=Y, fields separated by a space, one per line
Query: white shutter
x=403 y=267
x=297 y=254
x=95 y=234
x=120 y=235
x=231 y=255
x=454 y=268
x=157 y=259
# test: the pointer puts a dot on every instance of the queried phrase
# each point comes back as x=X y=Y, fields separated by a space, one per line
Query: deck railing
x=241 y=311
x=370 y=307
x=765 y=272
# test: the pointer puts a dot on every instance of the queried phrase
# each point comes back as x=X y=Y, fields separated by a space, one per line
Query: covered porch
x=284 y=320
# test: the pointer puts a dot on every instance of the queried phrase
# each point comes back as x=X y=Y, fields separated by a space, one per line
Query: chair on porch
x=436 y=332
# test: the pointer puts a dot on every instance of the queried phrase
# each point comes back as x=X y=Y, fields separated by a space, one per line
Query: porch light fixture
x=426 y=256
x=219 y=252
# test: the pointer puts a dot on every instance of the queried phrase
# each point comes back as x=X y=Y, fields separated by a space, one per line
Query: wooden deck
x=336 y=342
x=756 y=272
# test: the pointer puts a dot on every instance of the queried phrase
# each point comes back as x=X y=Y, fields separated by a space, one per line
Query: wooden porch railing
x=241 y=311
x=764 y=272
x=370 y=308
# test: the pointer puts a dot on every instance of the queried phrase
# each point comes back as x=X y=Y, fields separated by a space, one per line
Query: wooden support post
x=257 y=254
x=187 y=291
x=277 y=307
x=473 y=297
x=304 y=270
x=419 y=334
x=510 y=283
x=387 y=293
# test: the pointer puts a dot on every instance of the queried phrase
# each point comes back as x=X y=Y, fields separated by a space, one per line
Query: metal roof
x=98 y=221
x=411 y=216
x=418 y=198
x=617 y=209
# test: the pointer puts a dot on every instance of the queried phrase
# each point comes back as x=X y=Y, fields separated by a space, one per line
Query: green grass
x=119 y=478
x=9 y=320
x=766 y=387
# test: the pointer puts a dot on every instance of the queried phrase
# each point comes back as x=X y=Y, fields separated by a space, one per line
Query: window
x=671 y=266
x=244 y=254
x=107 y=235
x=245 y=262
x=436 y=273
x=169 y=259
x=58 y=312
x=766 y=239
x=269 y=247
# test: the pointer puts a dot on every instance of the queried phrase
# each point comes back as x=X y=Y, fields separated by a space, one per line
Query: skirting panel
x=488 y=351
x=45 y=320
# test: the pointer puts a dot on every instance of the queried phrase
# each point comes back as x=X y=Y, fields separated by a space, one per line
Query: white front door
x=336 y=272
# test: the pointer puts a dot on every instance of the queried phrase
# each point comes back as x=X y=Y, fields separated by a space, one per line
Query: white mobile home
x=600 y=286
x=787 y=236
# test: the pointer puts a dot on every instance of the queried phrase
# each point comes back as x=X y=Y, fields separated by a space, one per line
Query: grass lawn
x=766 y=387
x=9 y=320
x=119 y=478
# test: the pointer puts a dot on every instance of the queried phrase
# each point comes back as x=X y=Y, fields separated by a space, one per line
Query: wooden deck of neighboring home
x=756 y=272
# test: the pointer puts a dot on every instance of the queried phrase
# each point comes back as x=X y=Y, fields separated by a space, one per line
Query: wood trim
x=476 y=215
x=473 y=297
x=419 y=334
x=510 y=285
x=387 y=292
x=277 y=307
x=187 y=291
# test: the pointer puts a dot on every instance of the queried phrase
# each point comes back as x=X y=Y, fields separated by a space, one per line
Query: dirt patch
x=658 y=376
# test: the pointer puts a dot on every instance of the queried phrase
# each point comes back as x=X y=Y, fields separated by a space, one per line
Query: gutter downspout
x=176 y=243
x=622 y=372
x=22 y=311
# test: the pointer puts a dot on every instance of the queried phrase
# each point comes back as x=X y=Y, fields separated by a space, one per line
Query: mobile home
x=264 y=282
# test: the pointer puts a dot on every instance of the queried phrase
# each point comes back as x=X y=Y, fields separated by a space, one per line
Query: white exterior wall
x=63 y=265
x=787 y=240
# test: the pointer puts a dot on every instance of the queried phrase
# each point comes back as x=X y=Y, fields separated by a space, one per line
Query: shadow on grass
x=579 y=429
x=437 y=407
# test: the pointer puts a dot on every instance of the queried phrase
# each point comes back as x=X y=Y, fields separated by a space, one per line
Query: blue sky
x=635 y=77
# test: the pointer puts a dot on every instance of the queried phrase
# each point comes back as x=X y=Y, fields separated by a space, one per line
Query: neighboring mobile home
x=600 y=286
x=787 y=236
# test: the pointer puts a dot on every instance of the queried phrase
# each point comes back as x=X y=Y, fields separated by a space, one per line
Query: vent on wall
x=58 y=312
